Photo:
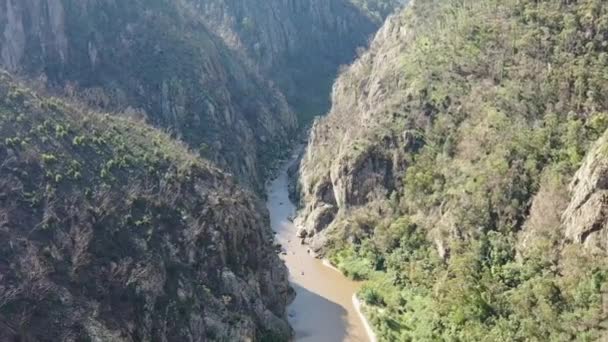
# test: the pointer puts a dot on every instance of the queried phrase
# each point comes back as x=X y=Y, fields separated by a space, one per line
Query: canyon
x=451 y=185
x=137 y=138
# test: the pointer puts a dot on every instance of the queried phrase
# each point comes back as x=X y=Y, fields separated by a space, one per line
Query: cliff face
x=395 y=103
x=586 y=219
x=299 y=44
x=353 y=158
x=275 y=31
x=113 y=232
x=157 y=61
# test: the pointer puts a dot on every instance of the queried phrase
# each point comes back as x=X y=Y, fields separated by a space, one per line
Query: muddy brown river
x=323 y=310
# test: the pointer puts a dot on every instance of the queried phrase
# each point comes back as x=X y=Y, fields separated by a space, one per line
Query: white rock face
x=22 y=21
x=13 y=38
x=586 y=218
x=56 y=17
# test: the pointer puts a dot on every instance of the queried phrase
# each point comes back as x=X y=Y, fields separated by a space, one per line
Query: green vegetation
x=63 y=150
x=506 y=98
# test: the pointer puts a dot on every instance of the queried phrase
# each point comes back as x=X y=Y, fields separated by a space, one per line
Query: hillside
x=441 y=175
x=203 y=71
x=152 y=60
x=112 y=231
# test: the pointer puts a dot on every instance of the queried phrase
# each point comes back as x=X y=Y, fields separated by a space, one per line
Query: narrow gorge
x=323 y=309
x=303 y=170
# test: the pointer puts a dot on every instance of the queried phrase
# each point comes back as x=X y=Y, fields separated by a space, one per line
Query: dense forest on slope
x=444 y=174
x=111 y=231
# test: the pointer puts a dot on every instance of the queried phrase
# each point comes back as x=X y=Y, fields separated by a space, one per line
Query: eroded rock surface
x=345 y=166
x=586 y=218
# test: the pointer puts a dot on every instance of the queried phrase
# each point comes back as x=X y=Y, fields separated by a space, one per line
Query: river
x=323 y=310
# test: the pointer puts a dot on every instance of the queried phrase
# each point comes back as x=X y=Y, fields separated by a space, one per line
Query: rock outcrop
x=351 y=160
x=586 y=218
x=111 y=231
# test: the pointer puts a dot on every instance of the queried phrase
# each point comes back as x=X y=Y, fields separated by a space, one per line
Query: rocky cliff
x=158 y=61
x=391 y=104
x=440 y=175
x=299 y=44
x=585 y=218
x=111 y=231
x=354 y=157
